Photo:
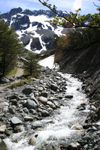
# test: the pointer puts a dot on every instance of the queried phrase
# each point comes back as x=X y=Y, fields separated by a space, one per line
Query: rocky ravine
x=85 y=64
x=32 y=102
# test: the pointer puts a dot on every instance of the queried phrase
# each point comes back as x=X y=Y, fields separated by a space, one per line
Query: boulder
x=44 y=94
x=32 y=140
x=30 y=104
x=27 y=91
x=37 y=124
x=28 y=118
x=43 y=99
x=52 y=105
x=40 y=89
x=53 y=87
x=18 y=128
x=15 y=121
x=69 y=96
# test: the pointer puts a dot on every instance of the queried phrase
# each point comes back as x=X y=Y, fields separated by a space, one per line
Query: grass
x=20 y=83
x=12 y=72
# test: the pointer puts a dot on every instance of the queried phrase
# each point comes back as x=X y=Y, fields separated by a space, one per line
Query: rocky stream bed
x=50 y=113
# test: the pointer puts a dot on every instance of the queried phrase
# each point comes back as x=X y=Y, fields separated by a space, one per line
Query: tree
x=31 y=65
x=10 y=48
x=75 y=19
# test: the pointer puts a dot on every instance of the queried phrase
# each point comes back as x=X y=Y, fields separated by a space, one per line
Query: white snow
x=48 y=62
x=24 y=25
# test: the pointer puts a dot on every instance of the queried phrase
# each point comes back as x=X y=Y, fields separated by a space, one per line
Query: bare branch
x=96 y=5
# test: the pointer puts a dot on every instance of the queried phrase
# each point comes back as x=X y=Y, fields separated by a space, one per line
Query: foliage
x=61 y=43
x=12 y=72
x=75 y=19
x=31 y=65
x=10 y=48
x=77 y=39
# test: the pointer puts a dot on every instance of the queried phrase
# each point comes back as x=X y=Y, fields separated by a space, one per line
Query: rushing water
x=59 y=126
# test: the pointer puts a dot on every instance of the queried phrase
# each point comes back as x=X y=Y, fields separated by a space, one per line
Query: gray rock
x=12 y=110
x=32 y=140
x=8 y=132
x=3 y=145
x=2 y=136
x=27 y=91
x=28 y=118
x=44 y=94
x=69 y=96
x=33 y=98
x=13 y=101
x=40 y=89
x=26 y=110
x=2 y=130
x=43 y=99
x=45 y=113
x=73 y=146
x=53 y=87
x=18 y=129
x=15 y=121
x=37 y=124
x=56 y=104
x=52 y=105
x=5 y=80
x=30 y=104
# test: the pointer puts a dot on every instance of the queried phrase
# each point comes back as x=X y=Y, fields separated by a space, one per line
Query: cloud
x=77 y=4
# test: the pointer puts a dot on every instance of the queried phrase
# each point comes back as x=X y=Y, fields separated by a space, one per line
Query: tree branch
x=96 y=5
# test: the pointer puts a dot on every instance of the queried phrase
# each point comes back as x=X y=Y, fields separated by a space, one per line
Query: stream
x=62 y=127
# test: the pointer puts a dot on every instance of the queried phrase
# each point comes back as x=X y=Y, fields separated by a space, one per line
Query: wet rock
x=69 y=96
x=43 y=99
x=13 y=101
x=32 y=141
x=27 y=91
x=40 y=89
x=18 y=129
x=53 y=87
x=26 y=110
x=15 y=121
x=3 y=104
x=3 y=145
x=2 y=136
x=92 y=107
x=32 y=111
x=78 y=127
x=8 y=132
x=57 y=104
x=45 y=113
x=73 y=146
x=52 y=105
x=30 y=104
x=28 y=118
x=37 y=124
x=12 y=110
x=4 y=80
x=2 y=128
x=33 y=98
x=44 y=94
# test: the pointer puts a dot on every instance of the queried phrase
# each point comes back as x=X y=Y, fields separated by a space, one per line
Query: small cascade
x=64 y=125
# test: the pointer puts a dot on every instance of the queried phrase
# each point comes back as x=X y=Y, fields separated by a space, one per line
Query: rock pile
x=20 y=107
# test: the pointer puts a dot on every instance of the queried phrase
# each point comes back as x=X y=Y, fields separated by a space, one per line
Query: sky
x=86 y=6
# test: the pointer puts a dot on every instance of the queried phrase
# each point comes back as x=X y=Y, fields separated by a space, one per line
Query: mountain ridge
x=35 y=33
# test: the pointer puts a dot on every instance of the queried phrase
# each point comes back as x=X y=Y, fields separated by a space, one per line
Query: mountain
x=35 y=33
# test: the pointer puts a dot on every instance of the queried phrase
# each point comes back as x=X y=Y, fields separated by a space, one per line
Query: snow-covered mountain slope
x=33 y=30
